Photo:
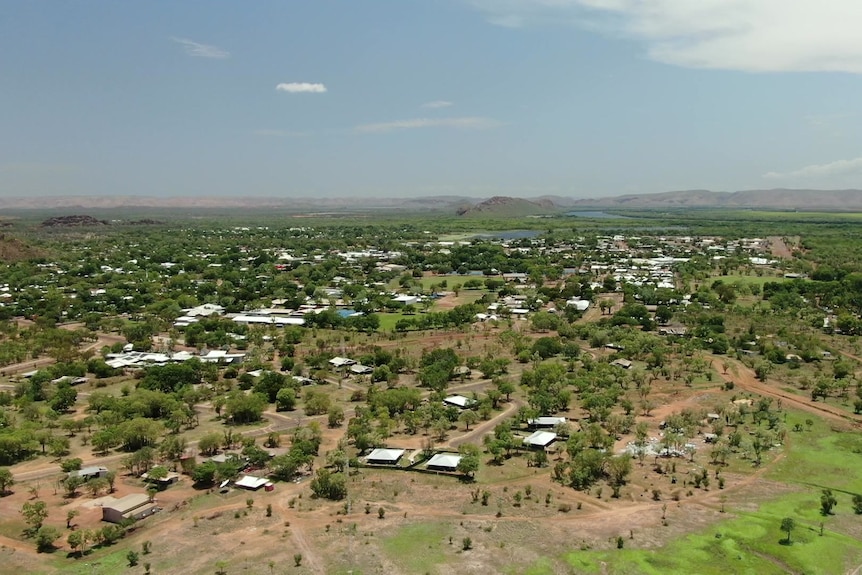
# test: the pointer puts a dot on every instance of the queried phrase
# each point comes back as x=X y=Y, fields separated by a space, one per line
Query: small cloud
x=829 y=170
x=301 y=88
x=436 y=104
x=468 y=123
x=201 y=50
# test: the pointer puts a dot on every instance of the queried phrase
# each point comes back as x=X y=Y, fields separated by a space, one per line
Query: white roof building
x=444 y=462
x=406 y=299
x=268 y=319
x=459 y=401
x=385 y=456
x=341 y=361
x=204 y=310
x=251 y=482
x=545 y=421
x=540 y=439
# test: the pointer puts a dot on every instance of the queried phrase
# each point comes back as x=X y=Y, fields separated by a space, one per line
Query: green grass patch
x=388 y=320
x=418 y=548
x=748 y=280
x=427 y=281
x=541 y=567
x=751 y=544
x=99 y=562
x=821 y=456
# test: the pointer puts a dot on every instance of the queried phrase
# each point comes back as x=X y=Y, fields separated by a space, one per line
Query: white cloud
x=201 y=50
x=748 y=35
x=436 y=104
x=837 y=169
x=301 y=87
x=474 y=123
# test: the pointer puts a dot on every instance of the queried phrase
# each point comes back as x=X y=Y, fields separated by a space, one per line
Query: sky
x=405 y=98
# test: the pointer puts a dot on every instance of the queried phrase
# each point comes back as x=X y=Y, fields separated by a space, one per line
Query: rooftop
x=448 y=460
x=382 y=454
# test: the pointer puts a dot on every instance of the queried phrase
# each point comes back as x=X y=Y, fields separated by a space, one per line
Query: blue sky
x=581 y=98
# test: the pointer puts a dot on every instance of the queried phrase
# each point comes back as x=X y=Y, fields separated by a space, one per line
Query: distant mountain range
x=776 y=199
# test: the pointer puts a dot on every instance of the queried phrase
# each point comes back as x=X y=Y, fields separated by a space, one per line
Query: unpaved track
x=744 y=377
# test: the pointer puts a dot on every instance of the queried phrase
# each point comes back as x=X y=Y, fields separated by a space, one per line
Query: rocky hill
x=503 y=206
x=72 y=221
x=14 y=250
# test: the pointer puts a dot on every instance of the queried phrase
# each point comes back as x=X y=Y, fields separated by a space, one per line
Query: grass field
x=822 y=457
x=751 y=543
x=748 y=280
x=418 y=548
x=449 y=280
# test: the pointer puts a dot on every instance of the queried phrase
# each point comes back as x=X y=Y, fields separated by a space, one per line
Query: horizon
x=467 y=98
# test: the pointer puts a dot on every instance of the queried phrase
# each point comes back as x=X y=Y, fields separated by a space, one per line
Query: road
x=743 y=377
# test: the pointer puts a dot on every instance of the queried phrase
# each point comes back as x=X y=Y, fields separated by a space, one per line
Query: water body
x=508 y=235
x=598 y=215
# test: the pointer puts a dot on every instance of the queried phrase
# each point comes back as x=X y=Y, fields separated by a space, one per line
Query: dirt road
x=744 y=377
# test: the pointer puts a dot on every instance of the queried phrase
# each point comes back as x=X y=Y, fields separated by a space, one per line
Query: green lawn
x=821 y=457
x=427 y=281
x=418 y=548
x=751 y=543
x=748 y=280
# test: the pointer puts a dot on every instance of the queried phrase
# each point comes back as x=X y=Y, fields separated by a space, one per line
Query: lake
x=598 y=215
x=509 y=235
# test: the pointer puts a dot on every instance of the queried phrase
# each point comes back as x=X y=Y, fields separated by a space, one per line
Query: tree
x=68 y=465
x=469 y=417
x=157 y=473
x=285 y=399
x=316 y=402
x=335 y=416
x=827 y=502
x=242 y=408
x=45 y=537
x=64 y=397
x=70 y=515
x=6 y=480
x=788 y=525
x=77 y=540
x=34 y=514
x=111 y=478
x=506 y=387
x=132 y=558
x=329 y=485
x=205 y=473
x=469 y=462
x=209 y=444
x=618 y=469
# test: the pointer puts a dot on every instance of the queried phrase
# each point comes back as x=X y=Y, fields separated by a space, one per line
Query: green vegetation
x=418 y=548
x=600 y=323
x=751 y=543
